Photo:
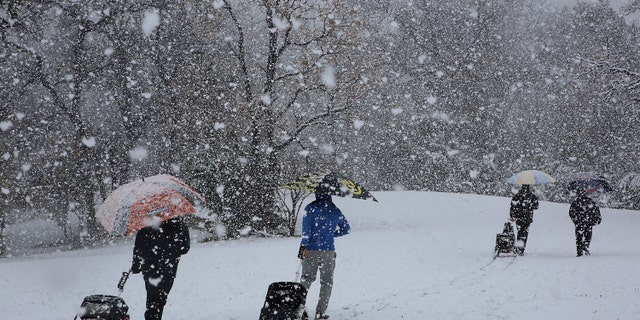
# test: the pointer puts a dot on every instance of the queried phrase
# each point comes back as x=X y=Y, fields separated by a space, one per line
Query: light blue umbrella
x=531 y=177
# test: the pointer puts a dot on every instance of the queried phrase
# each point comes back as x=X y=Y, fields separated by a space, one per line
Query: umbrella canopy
x=330 y=183
x=137 y=204
x=590 y=182
x=176 y=184
x=531 y=177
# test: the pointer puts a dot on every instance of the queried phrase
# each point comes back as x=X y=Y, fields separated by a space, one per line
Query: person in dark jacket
x=522 y=205
x=322 y=222
x=585 y=213
x=156 y=254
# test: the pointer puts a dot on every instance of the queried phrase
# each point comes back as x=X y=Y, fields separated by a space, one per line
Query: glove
x=301 y=252
x=135 y=268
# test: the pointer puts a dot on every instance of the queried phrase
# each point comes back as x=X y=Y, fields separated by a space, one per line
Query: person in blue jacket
x=322 y=222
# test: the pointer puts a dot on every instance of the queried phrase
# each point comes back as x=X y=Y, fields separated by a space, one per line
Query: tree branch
x=240 y=54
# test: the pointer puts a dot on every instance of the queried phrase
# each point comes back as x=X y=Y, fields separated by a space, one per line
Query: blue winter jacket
x=322 y=222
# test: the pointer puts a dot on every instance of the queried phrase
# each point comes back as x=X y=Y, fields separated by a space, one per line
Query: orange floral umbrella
x=141 y=203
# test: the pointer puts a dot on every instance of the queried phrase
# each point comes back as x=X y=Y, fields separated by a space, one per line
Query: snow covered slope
x=413 y=255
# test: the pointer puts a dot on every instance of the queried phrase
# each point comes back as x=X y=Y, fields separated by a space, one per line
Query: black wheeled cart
x=505 y=241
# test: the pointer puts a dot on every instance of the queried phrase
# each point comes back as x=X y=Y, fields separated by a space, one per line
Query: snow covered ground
x=413 y=255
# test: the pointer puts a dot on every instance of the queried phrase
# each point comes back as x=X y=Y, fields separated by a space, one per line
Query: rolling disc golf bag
x=103 y=307
x=505 y=241
x=284 y=301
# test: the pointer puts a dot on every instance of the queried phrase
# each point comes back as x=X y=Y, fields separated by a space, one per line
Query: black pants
x=158 y=285
x=523 y=233
x=583 y=238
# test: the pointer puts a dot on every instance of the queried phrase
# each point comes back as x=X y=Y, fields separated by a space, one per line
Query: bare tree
x=294 y=73
x=291 y=201
x=54 y=44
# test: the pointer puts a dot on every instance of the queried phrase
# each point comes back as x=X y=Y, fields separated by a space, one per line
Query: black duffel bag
x=103 y=307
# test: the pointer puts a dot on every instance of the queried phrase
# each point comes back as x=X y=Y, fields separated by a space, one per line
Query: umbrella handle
x=123 y=280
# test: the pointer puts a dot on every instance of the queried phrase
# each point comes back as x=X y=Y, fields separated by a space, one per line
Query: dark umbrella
x=590 y=182
x=329 y=183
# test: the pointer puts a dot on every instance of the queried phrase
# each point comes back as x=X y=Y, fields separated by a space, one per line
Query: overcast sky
x=615 y=4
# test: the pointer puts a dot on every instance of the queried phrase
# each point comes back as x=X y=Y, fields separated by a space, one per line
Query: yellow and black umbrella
x=329 y=183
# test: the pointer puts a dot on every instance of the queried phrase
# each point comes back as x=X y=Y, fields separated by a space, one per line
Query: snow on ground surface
x=413 y=255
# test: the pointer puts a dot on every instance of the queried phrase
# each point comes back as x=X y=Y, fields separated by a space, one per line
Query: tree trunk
x=3 y=248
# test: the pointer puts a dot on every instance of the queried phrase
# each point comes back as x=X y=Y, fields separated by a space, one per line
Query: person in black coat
x=156 y=254
x=585 y=213
x=522 y=205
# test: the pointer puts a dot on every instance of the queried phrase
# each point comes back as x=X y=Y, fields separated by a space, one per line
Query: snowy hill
x=413 y=255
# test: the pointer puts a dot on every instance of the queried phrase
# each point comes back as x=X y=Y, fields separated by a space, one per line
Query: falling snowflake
x=89 y=142
x=151 y=21
x=138 y=153
x=329 y=77
x=5 y=125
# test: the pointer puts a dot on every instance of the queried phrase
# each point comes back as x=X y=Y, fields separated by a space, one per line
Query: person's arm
x=343 y=227
x=596 y=214
x=573 y=211
x=513 y=209
x=306 y=232
x=138 y=259
x=185 y=244
x=534 y=202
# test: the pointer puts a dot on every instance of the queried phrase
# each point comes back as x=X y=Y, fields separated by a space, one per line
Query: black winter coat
x=158 y=249
x=522 y=205
x=584 y=211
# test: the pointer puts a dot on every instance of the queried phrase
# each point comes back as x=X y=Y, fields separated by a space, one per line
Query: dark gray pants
x=583 y=238
x=523 y=233
x=158 y=284
x=326 y=262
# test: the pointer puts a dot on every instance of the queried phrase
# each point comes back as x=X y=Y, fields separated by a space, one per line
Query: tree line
x=236 y=97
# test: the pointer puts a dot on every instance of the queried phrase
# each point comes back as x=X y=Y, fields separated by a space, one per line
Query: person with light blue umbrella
x=524 y=202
